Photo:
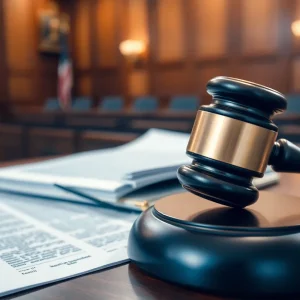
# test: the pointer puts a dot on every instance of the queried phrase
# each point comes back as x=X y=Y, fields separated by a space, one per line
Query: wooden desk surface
x=127 y=282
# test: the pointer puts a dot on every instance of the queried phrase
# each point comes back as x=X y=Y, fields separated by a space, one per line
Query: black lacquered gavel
x=233 y=140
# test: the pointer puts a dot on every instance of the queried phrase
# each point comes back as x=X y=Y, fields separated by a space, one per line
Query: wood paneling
x=209 y=28
x=171 y=81
x=47 y=87
x=20 y=88
x=259 y=26
x=138 y=83
x=262 y=72
x=31 y=76
x=170 y=30
x=138 y=20
x=204 y=74
x=12 y=144
x=84 y=85
x=82 y=38
x=49 y=142
x=91 y=140
x=108 y=83
x=107 y=43
x=138 y=79
x=189 y=42
x=3 y=61
x=296 y=74
x=296 y=17
x=20 y=46
x=297 y=10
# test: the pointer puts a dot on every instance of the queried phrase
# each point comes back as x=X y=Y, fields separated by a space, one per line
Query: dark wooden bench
x=92 y=140
x=12 y=142
x=48 y=141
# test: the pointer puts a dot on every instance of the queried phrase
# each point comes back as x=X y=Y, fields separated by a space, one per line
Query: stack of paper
x=138 y=170
x=68 y=240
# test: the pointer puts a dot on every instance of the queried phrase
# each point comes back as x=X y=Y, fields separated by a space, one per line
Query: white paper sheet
x=155 y=149
x=47 y=241
x=105 y=175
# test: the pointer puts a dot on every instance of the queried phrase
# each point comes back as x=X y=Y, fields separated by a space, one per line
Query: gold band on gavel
x=231 y=141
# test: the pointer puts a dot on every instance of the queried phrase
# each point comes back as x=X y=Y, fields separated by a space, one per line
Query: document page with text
x=47 y=241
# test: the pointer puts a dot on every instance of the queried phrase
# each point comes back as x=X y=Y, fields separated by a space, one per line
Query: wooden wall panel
x=3 y=61
x=20 y=87
x=107 y=43
x=205 y=73
x=20 y=46
x=138 y=79
x=47 y=88
x=297 y=10
x=82 y=38
x=171 y=81
x=296 y=17
x=31 y=75
x=262 y=72
x=190 y=41
x=170 y=30
x=138 y=20
x=108 y=83
x=209 y=28
x=84 y=85
x=138 y=83
x=259 y=26
x=295 y=84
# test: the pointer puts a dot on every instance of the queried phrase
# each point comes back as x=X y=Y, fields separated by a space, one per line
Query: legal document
x=127 y=176
x=47 y=241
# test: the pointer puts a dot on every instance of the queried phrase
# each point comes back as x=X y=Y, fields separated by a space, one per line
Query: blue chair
x=111 y=103
x=293 y=106
x=184 y=103
x=82 y=104
x=51 y=104
x=145 y=104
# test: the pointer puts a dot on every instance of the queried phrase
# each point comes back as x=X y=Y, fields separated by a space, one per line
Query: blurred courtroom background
x=156 y=78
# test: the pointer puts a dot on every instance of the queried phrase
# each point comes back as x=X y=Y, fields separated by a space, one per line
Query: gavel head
x=231 y=141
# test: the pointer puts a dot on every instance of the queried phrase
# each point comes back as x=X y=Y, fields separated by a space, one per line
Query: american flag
x=65 y=78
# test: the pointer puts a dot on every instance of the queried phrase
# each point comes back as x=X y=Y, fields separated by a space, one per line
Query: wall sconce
x=133 y=50
x=296 y=28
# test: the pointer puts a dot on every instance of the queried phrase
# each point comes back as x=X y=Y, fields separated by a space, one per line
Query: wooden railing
x=35 y=133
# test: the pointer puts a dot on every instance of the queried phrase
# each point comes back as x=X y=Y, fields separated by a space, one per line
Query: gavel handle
x=285 y=157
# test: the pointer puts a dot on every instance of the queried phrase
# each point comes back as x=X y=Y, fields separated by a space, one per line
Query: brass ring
x=231 y=141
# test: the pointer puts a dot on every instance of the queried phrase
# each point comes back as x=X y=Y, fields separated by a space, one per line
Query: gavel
x=233 y=140
x=222 y=250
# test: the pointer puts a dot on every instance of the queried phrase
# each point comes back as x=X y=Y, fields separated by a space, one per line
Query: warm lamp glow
x=296 y=28
x=132 y=48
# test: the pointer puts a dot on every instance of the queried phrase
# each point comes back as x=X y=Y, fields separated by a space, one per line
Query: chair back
x=111 y=103
x=145 y=104
x=293 y=103
x=184 y=103
x=82 y=104
x=51 y=104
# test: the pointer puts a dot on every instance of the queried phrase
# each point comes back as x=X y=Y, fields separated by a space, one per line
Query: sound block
x=200 y=244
